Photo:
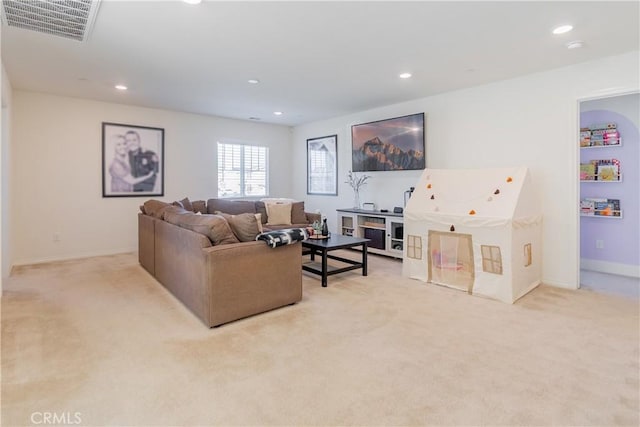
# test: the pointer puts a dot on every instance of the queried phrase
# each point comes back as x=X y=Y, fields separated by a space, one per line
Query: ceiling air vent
x=72 y=19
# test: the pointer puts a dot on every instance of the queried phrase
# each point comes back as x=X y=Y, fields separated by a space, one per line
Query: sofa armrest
x=250 y=277
x=311 y=217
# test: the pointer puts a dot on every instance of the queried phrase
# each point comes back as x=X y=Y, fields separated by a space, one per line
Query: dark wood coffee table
x=324 y=246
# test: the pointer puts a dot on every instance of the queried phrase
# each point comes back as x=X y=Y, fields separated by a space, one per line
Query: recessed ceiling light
x=562 y=29
x=253 y=81
x=405 y=75
x=277 y=113
x=576 y=44
x=121 y=87
x=192 y=1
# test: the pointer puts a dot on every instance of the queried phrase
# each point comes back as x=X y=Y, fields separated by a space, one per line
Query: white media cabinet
x=385 y=229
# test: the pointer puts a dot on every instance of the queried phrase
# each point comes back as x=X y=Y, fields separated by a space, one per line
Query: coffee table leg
x=324 y=268
x=364 y=259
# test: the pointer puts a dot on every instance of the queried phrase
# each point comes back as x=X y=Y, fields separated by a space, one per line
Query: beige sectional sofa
x=201 y=262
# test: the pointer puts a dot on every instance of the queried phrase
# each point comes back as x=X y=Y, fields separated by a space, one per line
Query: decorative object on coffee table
x=325 y=228
x=356 y=182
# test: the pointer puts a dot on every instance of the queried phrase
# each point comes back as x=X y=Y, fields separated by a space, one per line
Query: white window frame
x=243 y=172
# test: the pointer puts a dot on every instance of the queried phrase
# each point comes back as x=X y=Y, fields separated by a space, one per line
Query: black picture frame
x=390 y=144
x=132 y=160
x=322 y=165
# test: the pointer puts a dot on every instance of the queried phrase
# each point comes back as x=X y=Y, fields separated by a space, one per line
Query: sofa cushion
x=199 y=206
x=262 y=210
x=215 y=227
x=278 y=213
x=232 y=207
x=245 y=226
x=298 y=216
x=154 y=207
x=283 y=237
x=173 y=209
x=186 y=203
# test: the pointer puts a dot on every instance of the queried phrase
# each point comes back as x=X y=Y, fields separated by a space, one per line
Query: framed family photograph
x=322 y=165
x=132 y=160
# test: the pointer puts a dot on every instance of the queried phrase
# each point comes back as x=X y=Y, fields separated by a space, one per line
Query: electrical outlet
x=599 y=244
x=56 y=237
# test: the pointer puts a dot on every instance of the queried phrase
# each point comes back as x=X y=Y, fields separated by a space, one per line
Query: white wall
x=56 y=171
x=530 y=121
x=5 y=168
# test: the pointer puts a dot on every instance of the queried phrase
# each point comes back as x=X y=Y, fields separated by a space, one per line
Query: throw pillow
x=297 y=213
x=220 y=232
x=172 y=210
x=178 y=204
x=278 y=213
x=186 y=203
x=199 y=206
x=259 y=221
x=215 y=227
x=244 y=226
x=154 y=207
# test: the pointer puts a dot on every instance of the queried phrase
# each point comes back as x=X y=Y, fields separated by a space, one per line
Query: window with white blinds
x=242 y=170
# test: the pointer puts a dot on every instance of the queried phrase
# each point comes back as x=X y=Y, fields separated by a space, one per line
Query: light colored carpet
x=101 y=338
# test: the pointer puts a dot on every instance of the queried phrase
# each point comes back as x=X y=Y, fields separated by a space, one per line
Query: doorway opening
x=450 y=260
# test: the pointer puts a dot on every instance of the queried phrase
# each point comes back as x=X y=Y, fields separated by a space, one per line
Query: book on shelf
x=585 y=137
x=608 y=170
x=587 y=207
x=611 y=137
x=587 y=171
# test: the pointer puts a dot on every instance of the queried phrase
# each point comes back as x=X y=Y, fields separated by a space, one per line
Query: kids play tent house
x=475 y=230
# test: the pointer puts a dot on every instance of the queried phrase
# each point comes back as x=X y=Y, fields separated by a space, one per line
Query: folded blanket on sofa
x=287 y=236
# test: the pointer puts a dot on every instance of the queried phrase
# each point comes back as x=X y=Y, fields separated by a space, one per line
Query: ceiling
x=314 y=60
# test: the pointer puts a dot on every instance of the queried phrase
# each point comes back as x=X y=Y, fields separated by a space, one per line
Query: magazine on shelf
x=587 y=171
x=608 y=170
x=587 y=207
x=609 y=208
x=585 y=137
x=611 y=137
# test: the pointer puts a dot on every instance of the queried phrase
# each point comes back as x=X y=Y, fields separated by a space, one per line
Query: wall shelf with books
x=601 y=171
x=600 y=208
x=600 y=135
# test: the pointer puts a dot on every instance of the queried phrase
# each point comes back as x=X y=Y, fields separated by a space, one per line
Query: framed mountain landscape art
x=391 y=144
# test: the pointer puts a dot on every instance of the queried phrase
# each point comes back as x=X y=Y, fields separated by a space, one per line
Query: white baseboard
x=558 y=284
x=610 y=267
x=73 y=256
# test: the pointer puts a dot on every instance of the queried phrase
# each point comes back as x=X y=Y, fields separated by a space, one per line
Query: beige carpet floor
x=100 y=339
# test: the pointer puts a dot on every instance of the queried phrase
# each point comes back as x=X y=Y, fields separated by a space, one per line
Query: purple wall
x=621 y=237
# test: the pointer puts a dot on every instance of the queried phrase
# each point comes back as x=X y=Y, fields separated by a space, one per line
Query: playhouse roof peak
x=474 y=193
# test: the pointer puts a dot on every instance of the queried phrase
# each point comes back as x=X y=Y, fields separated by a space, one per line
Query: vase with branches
x=356 y=182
